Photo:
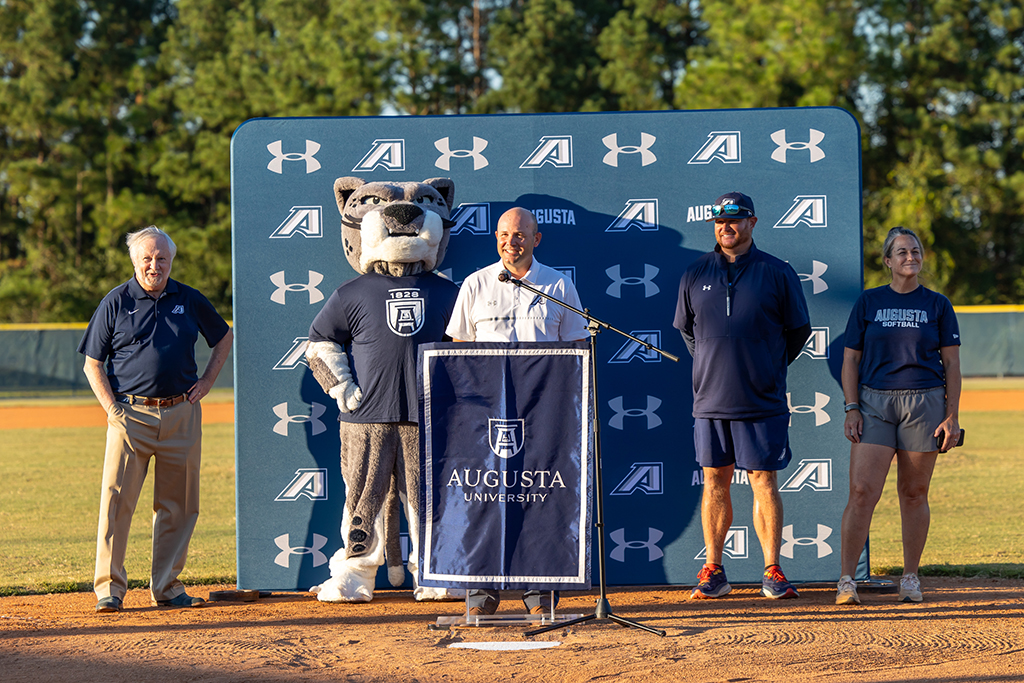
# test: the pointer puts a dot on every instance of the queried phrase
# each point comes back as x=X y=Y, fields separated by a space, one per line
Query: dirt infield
x=91 y=415
x=966 y=630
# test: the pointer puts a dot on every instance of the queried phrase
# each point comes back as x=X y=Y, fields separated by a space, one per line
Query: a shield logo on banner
x=405 y=316
x=506 y=436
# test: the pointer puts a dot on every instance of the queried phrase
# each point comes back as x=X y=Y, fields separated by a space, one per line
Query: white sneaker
x=910 y=589
x=847 y=591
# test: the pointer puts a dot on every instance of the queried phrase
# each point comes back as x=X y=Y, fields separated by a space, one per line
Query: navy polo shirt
x=739 y=363
x=147 y=344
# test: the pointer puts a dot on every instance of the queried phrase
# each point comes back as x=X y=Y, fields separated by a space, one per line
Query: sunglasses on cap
x=730 y=210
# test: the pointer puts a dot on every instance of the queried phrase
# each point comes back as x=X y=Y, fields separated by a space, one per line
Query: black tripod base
x=602 y=611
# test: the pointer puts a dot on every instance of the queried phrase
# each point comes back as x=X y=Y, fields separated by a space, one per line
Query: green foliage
x=118 y=114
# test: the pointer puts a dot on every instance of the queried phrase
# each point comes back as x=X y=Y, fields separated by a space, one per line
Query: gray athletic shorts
x=902 y=419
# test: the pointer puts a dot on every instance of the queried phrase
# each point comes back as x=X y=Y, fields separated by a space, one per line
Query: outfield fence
x=43 y=359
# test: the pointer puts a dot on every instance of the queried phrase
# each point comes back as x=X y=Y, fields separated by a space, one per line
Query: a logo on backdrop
x=618 y=537
x=615 y=288
x=646 y=477
x=809 y=209
x=473 y=218
x=738 y=477
x=783 y=147
x=284 y=419
x=736 y=546
x=632 y=349
x=818 y=409
x=817 y=344
x=296 y=355
x=307 y=483
x=815 y=473
x=554 y=216
x=698 y=214
x=387 y=153
x=789 y=541
x=818 y=284
x=639 y=213
x=553 y=149
x=723 y=145
x=405 y=311
x=444 y=161
x=506 y=436
x=647 y=157
x=568 y=271
x=280 y=157
x=287 y=550
x=653 y=403
x=302 y=220
x=283 y=287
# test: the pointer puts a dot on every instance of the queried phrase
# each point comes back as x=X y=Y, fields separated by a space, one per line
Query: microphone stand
x=603 y=609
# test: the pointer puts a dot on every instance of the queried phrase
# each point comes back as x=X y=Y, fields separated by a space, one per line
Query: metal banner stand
x=603 y=609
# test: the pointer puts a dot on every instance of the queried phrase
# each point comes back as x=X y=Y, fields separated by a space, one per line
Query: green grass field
x=49 y=504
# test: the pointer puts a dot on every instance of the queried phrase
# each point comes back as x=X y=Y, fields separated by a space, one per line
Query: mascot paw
x=348 y=395
x=343 y=589
x=428 y=594
x=396 y=576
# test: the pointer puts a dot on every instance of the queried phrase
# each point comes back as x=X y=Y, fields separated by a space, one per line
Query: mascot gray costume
x=394 y=234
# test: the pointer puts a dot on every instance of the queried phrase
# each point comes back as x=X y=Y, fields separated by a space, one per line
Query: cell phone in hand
x=942 y=437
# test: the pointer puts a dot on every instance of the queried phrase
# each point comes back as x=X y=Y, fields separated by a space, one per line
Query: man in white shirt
x=489 y=310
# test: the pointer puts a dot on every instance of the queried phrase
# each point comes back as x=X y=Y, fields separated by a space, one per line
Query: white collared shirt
x=488 y=310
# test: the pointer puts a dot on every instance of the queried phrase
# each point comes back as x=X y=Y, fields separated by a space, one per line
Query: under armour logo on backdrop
x=615 y=288
x=779 y=138
x=315 y=295
x=284 y=543
x=280 y=157
x=618 y=537
x=789 y=541
x=281 y=410
x=647 y=157
x=445 y=160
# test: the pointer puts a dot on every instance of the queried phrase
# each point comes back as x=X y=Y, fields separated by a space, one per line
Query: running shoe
x=847 y=591
x=774 y=584
x=711 y=583
x=910 y=589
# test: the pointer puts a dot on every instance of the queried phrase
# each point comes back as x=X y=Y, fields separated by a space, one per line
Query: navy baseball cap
x=732 y=205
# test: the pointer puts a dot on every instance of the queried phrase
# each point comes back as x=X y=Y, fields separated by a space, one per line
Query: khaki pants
x=135 y=435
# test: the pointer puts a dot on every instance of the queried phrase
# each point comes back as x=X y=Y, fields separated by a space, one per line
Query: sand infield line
x=29 y=417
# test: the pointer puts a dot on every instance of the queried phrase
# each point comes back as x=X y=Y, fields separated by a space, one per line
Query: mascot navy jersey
x=384 y=320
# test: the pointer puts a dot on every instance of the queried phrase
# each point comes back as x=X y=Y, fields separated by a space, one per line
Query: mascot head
x=394 y=228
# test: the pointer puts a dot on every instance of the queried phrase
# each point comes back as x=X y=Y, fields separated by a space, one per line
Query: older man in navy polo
x=140 y=362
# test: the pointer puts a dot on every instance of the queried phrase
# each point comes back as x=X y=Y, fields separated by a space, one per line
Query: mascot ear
x=343 y=189
x=446 y=186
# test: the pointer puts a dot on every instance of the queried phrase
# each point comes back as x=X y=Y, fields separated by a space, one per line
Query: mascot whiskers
x=362 y=350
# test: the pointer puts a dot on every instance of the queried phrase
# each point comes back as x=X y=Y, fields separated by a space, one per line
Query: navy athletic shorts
x=748 y=444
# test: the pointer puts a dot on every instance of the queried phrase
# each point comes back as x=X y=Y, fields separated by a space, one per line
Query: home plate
x=505 y=645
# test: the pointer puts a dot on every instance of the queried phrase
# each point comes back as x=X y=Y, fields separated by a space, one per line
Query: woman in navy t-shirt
x=901 y=382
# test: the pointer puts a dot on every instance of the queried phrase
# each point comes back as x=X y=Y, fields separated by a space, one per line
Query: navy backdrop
x=621 y=199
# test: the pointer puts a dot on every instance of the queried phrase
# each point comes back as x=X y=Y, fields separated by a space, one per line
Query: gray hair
x=152 y=231
x=896 y=232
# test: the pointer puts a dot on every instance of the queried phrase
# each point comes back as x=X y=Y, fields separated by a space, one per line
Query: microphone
x=504 y=276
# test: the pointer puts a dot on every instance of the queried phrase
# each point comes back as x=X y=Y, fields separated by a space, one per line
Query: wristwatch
x=851 y=406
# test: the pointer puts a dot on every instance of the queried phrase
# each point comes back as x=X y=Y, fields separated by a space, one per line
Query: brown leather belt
x=151 y=402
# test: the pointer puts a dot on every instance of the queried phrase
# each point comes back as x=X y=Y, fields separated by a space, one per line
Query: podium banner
x=505 y=462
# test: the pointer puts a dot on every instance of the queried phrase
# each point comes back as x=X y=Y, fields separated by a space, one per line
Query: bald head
x=517 y=236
